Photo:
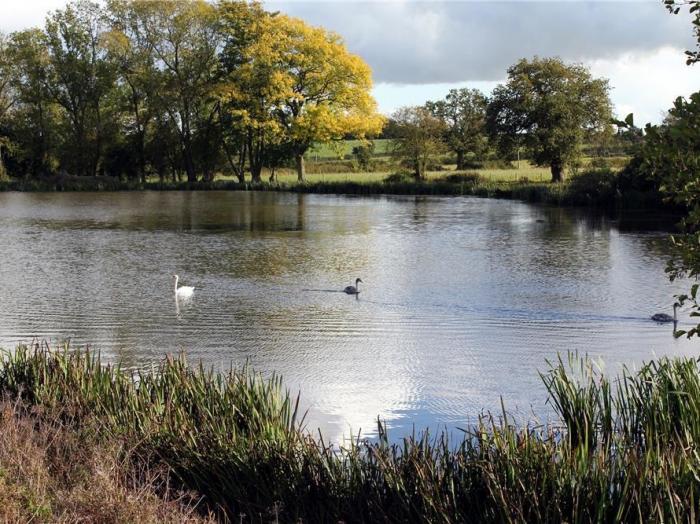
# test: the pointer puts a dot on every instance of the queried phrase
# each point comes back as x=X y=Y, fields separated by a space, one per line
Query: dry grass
x=51 y=471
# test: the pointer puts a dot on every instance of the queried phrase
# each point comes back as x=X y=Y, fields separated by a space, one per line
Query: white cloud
x=646 y=84
x=441 y=42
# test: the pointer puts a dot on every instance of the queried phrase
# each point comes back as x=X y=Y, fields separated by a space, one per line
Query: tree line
x=172 y=88
x=175 y=87
x=547 y=108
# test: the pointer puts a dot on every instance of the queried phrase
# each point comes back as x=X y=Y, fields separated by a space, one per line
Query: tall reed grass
x=622 y=449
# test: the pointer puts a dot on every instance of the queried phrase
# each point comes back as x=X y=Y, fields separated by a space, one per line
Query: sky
x=420 y=50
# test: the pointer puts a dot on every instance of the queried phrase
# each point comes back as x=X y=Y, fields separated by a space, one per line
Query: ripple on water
x=463 y=300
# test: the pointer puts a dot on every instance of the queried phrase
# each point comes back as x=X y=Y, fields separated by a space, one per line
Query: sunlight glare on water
x=463 y=298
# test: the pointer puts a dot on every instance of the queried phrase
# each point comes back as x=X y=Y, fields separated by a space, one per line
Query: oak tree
x=463 y=112
x=549 y=107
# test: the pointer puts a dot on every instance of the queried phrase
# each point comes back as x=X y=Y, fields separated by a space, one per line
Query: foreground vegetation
x=53 y=470
x=623 y=450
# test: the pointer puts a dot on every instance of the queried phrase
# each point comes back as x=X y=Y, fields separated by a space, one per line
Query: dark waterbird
x=663 y=317
x=353 y=290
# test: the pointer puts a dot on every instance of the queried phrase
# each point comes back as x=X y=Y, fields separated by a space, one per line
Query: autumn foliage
x=178 y=87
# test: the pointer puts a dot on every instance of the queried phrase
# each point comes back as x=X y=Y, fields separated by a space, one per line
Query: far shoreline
x=556 y=194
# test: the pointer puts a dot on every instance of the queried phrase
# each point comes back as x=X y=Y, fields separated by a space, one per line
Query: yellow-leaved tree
x=307 y=87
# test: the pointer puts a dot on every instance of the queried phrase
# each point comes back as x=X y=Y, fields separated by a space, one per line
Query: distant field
x=335 y=150
x=327 y=163
x=324 y=157
x=525 y=173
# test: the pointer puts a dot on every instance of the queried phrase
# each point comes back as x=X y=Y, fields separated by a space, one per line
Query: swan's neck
x=675 y=307
x=357 y=285
x=176 y=279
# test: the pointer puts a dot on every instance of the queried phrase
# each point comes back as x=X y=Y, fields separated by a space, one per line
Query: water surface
x=462 y=302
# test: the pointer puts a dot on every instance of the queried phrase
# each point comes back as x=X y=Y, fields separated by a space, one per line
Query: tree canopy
x=548 y=107
x=420 y=138
x=131 y=88
x=463 y=112
x=299 y=85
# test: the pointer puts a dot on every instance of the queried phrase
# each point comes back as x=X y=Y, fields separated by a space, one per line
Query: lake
x=462 y=301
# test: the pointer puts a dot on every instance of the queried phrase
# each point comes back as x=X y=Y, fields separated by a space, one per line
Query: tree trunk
x=142 y=158
x=238 y=170
x=3 y=174
x=301 y=168
x=417 y=174
x=557 y=171
x=460 y=160
x=419 y=169
x=255 y=171
x=272 y=174
x=189 y=166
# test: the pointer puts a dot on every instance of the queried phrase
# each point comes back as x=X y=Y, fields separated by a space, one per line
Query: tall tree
x=132 y=58
x=79 y=79
x=6 y=95
x=248 y=92
x=184 y=39
x=34 y=117
x=549 y=107
x=420 y=138
x=464 y=113
x=6 y=100
x=671 y=155
x=318 y=90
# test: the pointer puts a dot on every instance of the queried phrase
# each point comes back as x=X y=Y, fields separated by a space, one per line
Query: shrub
x=401 y=177
x=598 y=186
x=363 y=155
x=464 y=178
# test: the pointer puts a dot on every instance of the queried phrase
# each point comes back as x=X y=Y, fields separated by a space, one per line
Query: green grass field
x=336 y=150
x=526 y=173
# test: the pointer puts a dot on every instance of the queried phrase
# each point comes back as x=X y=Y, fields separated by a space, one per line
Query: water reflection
x=182 y=303
x=463 y=302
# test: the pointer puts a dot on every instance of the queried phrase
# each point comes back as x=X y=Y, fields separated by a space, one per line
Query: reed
x=622 y=449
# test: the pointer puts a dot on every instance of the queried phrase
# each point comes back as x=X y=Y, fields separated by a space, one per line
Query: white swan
x=353 y=290
x=182 y=291
x=663 y=317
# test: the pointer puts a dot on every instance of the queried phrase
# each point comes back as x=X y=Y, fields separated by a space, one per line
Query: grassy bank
x=593 y=188
x=625 y=450
x=53 y=469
